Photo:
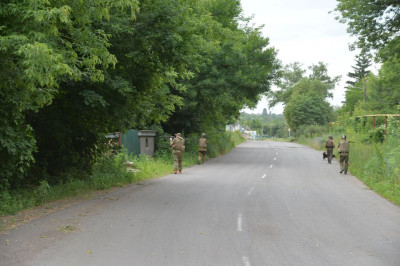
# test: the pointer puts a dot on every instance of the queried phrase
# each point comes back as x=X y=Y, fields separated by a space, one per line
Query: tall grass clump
x=381 y=171
x=107 y=172
x=374 y=158
x=221 y=143
x=111 y=172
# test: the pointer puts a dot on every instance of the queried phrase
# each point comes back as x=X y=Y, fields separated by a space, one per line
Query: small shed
x=146 y=139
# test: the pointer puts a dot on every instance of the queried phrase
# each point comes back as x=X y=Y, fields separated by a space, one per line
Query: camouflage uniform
x=178 y=149
x=202 y=148
x=343 y=149
x=329 y=145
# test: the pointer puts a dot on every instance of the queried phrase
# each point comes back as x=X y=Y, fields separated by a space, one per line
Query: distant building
x=250 y=134
x=233 y=127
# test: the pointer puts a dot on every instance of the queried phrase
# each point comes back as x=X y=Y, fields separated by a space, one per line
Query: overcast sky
x=304 y=31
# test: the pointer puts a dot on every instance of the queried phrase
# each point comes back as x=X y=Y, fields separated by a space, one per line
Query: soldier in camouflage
x=202 y=148
x=329 y=145
x=344 y=149
x=178 y=149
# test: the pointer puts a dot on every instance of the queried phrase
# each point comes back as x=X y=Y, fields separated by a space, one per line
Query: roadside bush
x=111 y=171
x=377 y=135
x=310 y=131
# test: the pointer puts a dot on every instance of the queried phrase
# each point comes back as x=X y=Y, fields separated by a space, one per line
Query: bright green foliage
x=360 y=70
x=237 y=73
x=268 y=125
x=43 y=43
x=289 y=76
x=154 y=51
x=356 y=91
x=383 y=90
x=307 y=105
x=305 y=97
x=374 y=23
x=72 y=71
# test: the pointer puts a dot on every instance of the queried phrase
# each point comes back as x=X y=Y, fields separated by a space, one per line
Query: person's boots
x=175 y=171
x=180 y=171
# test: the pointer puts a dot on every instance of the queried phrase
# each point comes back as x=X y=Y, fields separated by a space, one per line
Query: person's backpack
x=202 y=144
x=179 y=145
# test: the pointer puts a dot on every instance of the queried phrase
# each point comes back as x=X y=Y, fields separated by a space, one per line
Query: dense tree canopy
x=43 y=44
x=376 y=24
x=72 y=71
x=237 y=73
x=305 y=97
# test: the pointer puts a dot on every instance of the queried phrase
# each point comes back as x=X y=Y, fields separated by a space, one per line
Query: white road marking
x=275 y=159
x=239 y=223
x=264 y=176
x=246 y=261
x=251 y=191
x=271 y=166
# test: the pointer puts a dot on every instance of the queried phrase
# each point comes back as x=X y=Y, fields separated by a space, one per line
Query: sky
x=304 y=31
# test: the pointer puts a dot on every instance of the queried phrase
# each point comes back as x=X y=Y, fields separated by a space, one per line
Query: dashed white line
x=264 y=176
x=271 y=166
x=275 y=159
x=246 y=261
x=239 y=223
x=251 y=191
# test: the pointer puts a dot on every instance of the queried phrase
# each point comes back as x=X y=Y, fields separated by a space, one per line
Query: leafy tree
x=357 y=86
x=293 y=73
x=307 y=105
x=42 y=44
x=384 y=89
x=360 y=70
x=375 y=23
x=237 y=73
x=305 y=97
x=154 y=52
x=276 y=128
x=289 y=76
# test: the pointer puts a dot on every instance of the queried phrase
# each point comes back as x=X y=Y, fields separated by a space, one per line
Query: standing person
x=344 y=149
x=178 y=149
x=330 y=145
x=202 y=148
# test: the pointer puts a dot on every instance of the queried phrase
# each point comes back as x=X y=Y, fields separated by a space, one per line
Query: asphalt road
x=264 y=203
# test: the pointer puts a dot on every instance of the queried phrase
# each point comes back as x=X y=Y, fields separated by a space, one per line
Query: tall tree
x=384 y=89
x=360 y=70
x=307 y=105
x=289 y=76
x=154 y=52
x=356 y=89
x=42 y=44
x=238 y=72
x=304 y=96
x=293 y=73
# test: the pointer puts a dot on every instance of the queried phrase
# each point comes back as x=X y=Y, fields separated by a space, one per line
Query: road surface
x=263 y=203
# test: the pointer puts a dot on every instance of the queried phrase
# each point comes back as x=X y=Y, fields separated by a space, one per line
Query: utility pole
x=365 y=89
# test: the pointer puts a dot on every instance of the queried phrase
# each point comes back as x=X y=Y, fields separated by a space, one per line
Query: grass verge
x=374 y=164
